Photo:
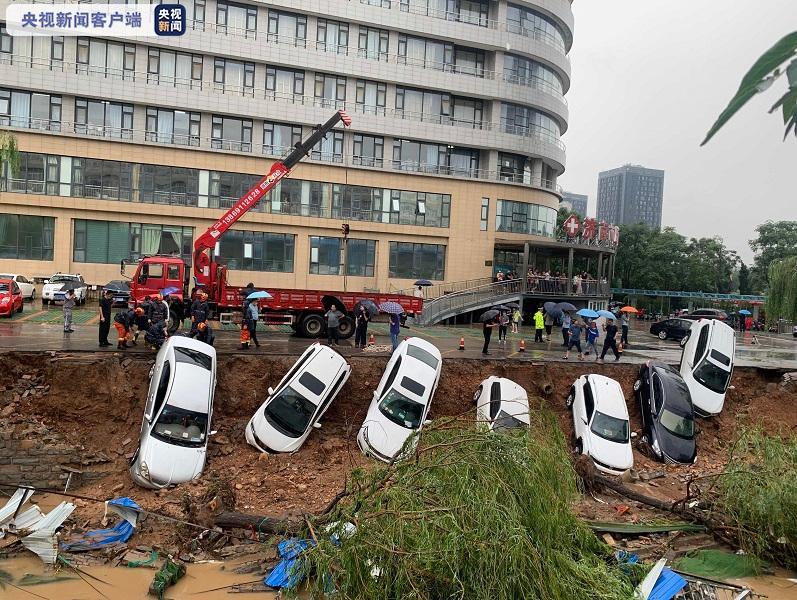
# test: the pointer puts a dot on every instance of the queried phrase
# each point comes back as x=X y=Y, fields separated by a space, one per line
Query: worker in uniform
x=159 y=311
x=141 y=323
x=122 y=322
x=156 y=334
x=147 y=306
x=205 y=333
x=199 y=313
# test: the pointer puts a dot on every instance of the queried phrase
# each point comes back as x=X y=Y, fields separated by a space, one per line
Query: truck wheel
x=311 y=326
x=174 y=321
x=346 y=328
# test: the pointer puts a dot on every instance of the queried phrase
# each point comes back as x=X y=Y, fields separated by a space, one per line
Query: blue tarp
x=101 y=538
x=667 y=585
x=290 y=571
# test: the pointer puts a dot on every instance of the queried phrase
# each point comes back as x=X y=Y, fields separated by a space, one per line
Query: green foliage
x=758 y=494
x=759 y=78
x=470 y=515
x=563 y=215
x=9 y=152
x=745 y=283
x=775 y=241
x=782 y=294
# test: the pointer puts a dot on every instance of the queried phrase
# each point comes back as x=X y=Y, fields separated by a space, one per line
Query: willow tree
x=782 y=294
x=9 y=152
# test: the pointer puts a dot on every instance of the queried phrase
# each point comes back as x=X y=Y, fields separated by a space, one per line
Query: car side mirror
x=633 y=435
x=376 y=395
x=316 y=425
x=271 y=391
x=427 y=422
x=214 y=432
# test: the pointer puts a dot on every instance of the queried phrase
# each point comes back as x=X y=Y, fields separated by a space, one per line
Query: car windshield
x=181 y=427
x=289 y=412
x=677 y=425
x=506 y=421
x=401 y=410
x=4 y=287
x=711 y=376
x=62 y=278
x=193 y=357
x=6 y=276
x=610 y=428
x=422 y=355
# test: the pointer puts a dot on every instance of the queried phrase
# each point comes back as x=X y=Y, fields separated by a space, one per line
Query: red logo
x=590 y=229
x=571 y=226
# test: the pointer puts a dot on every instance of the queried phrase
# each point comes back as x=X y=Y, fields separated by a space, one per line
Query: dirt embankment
x=98 y=401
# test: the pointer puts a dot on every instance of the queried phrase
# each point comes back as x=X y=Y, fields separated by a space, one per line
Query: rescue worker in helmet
x=141 y=323
x=205 y=333
x=156 y=334
x=199 y=313
x=123 y=321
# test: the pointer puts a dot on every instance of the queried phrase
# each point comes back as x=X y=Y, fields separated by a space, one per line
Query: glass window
x=195 y=13
x=330 y=90
x=30 y=110
x=401 y=410
x=412 y=261
x=610 y=428
x=284 y=83
x=422 y=52
x=423 y=105
x=360 y=257
x=371 y=97
x=6 y=45
x=530 y=23
x=107 y=242
x=522 y=217
x=168 y=185
x=469 y=61
x=330 y=148
x=422 y=355
x=287 y=28
x=257 y=251
x=280 y=138
x=179 y=69
x=358 y=203
x=485 y=214
x=522 y=120
x=332 y=36
x=368 y=150
x=25 y=237
x=237 y=19
x=373 y=43
x=230 y=133
x=528 y=72
x=234 y=76
x=172 y=126
x=326 y=255
x=114 y=60
x=103 y=118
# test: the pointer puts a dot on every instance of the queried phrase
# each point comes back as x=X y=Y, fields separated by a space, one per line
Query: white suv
x=55 y=288
x=707 y=364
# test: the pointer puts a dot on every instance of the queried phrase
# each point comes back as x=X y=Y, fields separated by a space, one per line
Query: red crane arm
x=207 y=241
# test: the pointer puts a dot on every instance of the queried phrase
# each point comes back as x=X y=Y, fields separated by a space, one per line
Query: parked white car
x=501 y=404
x=25 y=285
x=289 y=414
x=401 y=402
x=600 y=419
x=176 y=426
x=52 y=292
x=707 y=364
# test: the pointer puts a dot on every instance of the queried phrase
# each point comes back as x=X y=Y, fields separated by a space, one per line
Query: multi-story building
x=575 y=202
x=631 y=194
x=134 y=146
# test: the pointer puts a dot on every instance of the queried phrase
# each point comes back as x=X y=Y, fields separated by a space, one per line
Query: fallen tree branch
x=261 y=524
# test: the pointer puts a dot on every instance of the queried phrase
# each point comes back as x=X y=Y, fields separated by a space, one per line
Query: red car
x=10 y=298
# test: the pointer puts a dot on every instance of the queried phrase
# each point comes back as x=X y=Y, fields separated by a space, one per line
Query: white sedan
x=175 y=430
x=25 y=286
x=401 y=401
x=289 y=414
x=501 y=404
x=600 y=417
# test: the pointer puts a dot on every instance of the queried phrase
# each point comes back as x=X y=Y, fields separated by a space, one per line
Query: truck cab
x=155 y=274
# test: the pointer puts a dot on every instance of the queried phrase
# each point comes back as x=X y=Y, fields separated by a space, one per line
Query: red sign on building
x=571 y=226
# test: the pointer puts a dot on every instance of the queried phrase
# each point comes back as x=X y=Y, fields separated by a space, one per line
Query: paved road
x=38 y=330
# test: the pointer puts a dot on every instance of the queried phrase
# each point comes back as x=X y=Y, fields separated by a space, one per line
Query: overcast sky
x=650 y=78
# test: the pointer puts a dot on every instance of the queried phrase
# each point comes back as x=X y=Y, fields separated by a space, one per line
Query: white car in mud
x=501 y=404
x=289 y=414
x=401 y=401
x=707 y=364
x=600 y=420
x=176 y=426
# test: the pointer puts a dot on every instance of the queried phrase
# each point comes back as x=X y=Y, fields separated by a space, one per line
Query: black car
x=121 y=292
x=675 y=329
x=668 y=420
x=707 y=313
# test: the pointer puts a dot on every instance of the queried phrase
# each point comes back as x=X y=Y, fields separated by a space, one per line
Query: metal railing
x=480 y=296
x=562 y=286
x=435 y=291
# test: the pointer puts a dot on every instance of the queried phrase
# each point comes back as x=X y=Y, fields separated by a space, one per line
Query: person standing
x=395 y=329
x=361 y=327
x=69 y=304
x=592 y=339
x=624 y=322
x=105 y=318
x=742 y=323
x=566 y=321
x=487 y=332
x=147 y=306
x=503 y=323
x=159 y=311
x=252 y=317
x=548 y=325
x=418 y=293
x=574 y=341
x=333 y=316
x=516 y=317
x=539 y=325
x=610 y=341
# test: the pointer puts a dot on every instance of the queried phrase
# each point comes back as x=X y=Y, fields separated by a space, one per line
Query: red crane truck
x=301 y=309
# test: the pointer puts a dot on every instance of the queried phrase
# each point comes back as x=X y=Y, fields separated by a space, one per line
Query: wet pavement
x=42 y=330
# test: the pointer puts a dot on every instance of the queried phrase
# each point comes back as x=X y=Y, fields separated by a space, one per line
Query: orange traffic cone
x=371 y=340
x=522 y=346
x=462 y=343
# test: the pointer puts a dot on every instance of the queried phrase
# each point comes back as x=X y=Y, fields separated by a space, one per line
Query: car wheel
x=571 y=397
x=579 y=447
x=662 y=335
x=477 y=395
x=637 y=385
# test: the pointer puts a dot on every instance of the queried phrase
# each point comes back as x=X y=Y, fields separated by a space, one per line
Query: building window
x=423 y=105
x=522 y=217
x=284 y=84
x=105 y=242
x=57 y=52
x=428 y=54
x=523 y=120
x=230 y=133
x=529 y=23
x=165 y=67
x=237 y=18
x=103 y=179
x=473 y=12
x=420 y=208
x=332 y=36
x=413 y=261
x=108 y=59
x=469 y=61
x=357 y=202
x=103 y=118
x=195 y=13
x=168 y=185
x=467 y=112
x=24 y=237
x=485 y=214
x=167 y=126
x=425 y=157
x=368 y=150
x=285 y=198
x=326 y=255
x=330 y=148
x=287 y=28
x=226 y=188
x=360 y=257
x=380 y=3
x=257 y=251
x=280 y=138
x=528 y=72
x=234 y=76
x=330 y=91
x=30 y=110
x=6 y=45
x=371 y=97
x=38 y=174
x=514 y=167
x=373 y=43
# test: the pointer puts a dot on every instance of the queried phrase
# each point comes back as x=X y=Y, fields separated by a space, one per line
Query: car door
x=495 y=400
x=16 y=296
x=656 y=398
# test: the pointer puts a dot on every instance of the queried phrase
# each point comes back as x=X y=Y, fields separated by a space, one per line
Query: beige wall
x=468 y=248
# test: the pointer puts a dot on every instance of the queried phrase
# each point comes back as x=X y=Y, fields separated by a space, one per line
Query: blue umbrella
x=744 y=311
x=392 y=308
x=549 y=306
x=256 y=295
x=607 y=314
x=565 y=306
x=169 y=291
x=588 y=313
x=423 y=283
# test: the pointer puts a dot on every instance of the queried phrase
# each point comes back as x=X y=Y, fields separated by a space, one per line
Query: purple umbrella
x=392 y=308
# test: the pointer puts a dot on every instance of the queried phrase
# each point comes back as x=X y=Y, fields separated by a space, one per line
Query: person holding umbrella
x=252 y=317
x=624 y=323
x=489 y=320
x=574 y=341
x=69 y=304
x=503 y=325
x=549 y=321
x=592 y=338
x=539 y=324
x=361 y=318
x=567 y=320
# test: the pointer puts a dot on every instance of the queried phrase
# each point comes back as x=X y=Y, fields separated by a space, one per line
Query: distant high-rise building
x=575 y=202
x=631 y=194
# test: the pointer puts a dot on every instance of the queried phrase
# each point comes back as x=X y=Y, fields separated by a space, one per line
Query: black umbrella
x=501 y=308
x=423 y=283
x=117 y=286
x=513 y=305
x=71 y=285
x=565 y=306
x=549 y=306
x=370 y=307
x=488 y=315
